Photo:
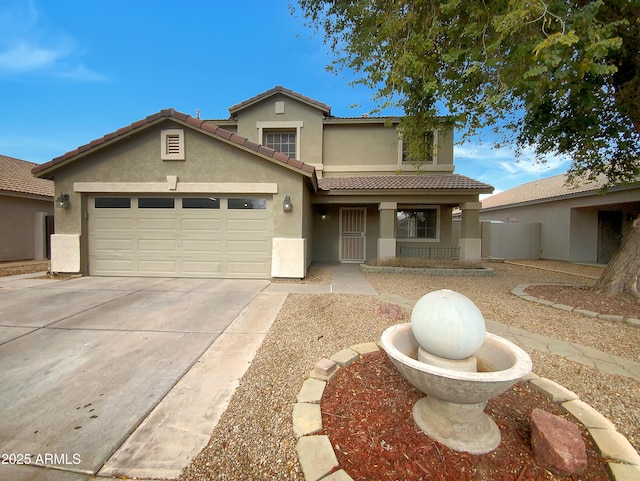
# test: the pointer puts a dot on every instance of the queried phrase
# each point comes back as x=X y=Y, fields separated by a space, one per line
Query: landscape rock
x=557 y=444
x=390 y=311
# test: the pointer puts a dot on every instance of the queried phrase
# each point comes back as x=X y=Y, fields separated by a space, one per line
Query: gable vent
x=172 y=144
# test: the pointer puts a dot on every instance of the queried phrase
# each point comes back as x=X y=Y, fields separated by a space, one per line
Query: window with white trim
x=419 y=223
x=281 y=135
x=282 y=141
x=431 y=155
x=172 y=144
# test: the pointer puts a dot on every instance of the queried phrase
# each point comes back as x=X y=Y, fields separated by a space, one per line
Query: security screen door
x=353 y=222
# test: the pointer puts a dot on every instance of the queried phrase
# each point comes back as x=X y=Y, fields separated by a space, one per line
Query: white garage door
x=183 y=236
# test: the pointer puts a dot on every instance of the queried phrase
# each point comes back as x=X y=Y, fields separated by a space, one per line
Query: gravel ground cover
x=254 y=438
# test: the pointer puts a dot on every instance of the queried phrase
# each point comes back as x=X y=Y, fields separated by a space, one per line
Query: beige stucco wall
x=294 y=112
x=363 y=145
x=569 y=228
x=208 y=160
x=21 y=226
x=372 y=148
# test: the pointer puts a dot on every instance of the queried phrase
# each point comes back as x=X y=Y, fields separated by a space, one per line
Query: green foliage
x=560 y=75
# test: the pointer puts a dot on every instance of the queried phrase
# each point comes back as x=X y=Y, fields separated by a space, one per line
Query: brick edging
x=318 y=460
x=520 y=292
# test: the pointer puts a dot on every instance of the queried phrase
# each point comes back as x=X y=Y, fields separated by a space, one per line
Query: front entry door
x=353 y=222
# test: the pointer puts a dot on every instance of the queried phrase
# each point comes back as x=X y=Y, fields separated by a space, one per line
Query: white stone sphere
x=447 y=324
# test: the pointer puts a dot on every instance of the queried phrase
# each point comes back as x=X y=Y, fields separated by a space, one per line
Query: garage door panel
x=113 y=266
x=157 y=246
x=185 y=242
x=156 y=224
x=201 y=225
x=245 y=268
x=257 y=246
x=202 y=246
x=201 y=268
x=247 y=225
x=118 y=223
x=106 y=244
x=157 y=267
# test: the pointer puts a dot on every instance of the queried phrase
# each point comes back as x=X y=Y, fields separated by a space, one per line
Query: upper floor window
x=282 y=141
x=431 y=155
x=417 y=223
x=281 y=135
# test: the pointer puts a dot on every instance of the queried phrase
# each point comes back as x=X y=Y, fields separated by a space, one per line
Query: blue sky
x=72 y=71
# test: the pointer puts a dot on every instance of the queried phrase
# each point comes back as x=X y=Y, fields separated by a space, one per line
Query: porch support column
x=470 y=239
x=387 y=234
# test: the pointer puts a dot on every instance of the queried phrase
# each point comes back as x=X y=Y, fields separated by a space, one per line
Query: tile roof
x=541 y=190
x=16 y=176
x=279 y=89
x=202 y=125
x=403 y=182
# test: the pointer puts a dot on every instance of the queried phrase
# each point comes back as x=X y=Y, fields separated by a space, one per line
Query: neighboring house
x=576 y=223
x=279 y=184
x=25 y=204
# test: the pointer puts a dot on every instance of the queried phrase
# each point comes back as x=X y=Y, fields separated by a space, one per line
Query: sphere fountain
x=445 y=352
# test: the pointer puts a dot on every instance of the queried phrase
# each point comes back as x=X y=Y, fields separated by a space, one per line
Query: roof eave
x=48 y=169
x=555 y=198
x=408 y=192
x=325 y=109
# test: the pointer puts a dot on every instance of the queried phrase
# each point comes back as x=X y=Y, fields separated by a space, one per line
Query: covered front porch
x=359 y=219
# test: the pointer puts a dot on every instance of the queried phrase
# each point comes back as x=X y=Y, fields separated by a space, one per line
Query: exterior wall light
x=287 y=206
x=62 y=201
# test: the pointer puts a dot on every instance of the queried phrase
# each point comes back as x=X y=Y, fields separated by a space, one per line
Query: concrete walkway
x=345 y=279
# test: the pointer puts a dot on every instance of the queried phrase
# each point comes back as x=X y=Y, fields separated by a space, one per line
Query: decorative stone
x=390 y=311
x=325 y=367
x=365 y=348
x=552 y=390
x=346 y=357
x=307 y=419
x=447 y=324
x=557 y=444
x=311 y=391
x=316 y=456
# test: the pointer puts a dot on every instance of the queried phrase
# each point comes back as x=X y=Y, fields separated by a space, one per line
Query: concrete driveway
x=120 y=376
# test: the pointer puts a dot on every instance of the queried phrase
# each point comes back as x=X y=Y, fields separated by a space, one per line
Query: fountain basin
x=453 y=410
x=501 y=364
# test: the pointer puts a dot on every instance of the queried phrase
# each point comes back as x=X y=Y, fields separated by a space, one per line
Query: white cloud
x=24 y=57
x=81 y=72
x=29 y=45
x=501 y=167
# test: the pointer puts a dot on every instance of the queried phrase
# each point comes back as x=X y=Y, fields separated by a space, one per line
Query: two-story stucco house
x=277 y=185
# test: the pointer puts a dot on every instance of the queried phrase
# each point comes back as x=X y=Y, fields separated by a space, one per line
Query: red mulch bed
x=366 y=412
x=584 y=298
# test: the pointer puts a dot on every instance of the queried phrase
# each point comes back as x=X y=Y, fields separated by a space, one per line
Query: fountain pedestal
x=461 y=427
x=453 y=410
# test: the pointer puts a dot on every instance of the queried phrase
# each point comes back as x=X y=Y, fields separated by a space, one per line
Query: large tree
x=559 y=76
